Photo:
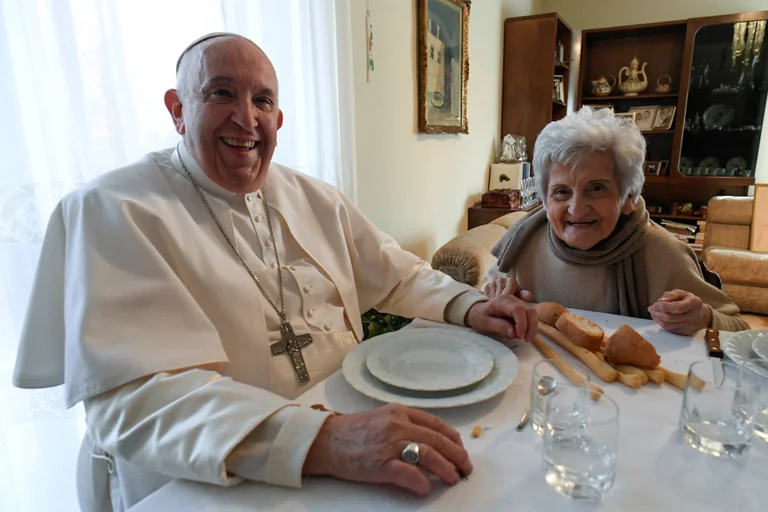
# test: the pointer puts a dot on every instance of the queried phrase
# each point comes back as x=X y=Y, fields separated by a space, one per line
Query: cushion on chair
x=730 y=210
x=750 y=299
x=509 y=219
x=726 y=235
x=468 y=257
x=739 y=267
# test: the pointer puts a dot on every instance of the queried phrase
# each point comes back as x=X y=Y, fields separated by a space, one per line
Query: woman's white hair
x=591 y=131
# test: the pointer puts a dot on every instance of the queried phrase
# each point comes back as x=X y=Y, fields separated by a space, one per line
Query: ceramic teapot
x=663 y=88
x=633 y=84
x=602 y=87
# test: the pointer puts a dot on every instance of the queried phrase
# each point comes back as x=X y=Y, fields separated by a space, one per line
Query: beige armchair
x=726 y=251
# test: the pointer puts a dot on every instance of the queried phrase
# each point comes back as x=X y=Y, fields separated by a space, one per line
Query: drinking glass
x=538 y=402
x=716 y=417
x=581 y=443
x=754 y=381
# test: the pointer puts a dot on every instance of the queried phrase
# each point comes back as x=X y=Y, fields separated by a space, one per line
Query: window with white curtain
x=81 y=93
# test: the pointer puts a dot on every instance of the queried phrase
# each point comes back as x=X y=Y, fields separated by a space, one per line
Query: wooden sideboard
x=477 y=215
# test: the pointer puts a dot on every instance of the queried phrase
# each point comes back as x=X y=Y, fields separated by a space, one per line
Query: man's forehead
x=203 y=42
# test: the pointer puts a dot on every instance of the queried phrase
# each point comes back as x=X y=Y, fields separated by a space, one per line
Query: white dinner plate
x=502 y=375
x=738 y=346
x=438 y=360
x=760 y=344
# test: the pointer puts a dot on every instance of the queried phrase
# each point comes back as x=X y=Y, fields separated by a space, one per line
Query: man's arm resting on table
x=199 y=425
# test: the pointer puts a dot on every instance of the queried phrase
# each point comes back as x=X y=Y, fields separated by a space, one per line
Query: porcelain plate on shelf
x=431 y=361
x=738 y=346
x=502 y=375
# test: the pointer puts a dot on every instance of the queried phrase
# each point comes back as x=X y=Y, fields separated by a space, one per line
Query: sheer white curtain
x=81 y=86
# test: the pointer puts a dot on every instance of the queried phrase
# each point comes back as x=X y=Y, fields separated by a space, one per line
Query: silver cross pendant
x=292 y=344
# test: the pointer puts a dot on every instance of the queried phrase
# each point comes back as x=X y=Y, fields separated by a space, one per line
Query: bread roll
x=627 y=346
x=549 y=312
x=584 y=333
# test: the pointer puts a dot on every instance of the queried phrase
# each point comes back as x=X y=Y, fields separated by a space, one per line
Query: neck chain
x=281 y=310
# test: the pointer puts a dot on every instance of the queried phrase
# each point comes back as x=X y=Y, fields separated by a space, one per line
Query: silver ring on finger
x=411 y=453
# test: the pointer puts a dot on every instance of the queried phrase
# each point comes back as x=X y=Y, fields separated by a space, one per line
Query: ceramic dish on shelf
x=709 y=163
x=718 y=116
x=736 y=163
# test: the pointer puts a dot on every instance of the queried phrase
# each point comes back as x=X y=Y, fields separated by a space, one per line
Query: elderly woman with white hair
x=592 y=245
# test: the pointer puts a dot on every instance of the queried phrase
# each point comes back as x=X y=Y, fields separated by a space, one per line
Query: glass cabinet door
x=726 y=101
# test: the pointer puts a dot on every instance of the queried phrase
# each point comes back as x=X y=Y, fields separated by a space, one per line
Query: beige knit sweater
x=670 y=265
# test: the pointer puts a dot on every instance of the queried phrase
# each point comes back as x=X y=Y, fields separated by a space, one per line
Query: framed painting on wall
x=759 y=236
x=443 y=61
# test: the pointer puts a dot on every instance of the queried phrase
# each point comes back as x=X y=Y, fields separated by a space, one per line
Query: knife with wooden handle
x=712 y=336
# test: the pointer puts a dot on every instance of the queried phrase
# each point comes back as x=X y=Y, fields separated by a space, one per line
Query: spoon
x=545 y=386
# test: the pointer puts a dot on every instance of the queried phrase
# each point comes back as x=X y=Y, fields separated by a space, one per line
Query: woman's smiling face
x=584 y=203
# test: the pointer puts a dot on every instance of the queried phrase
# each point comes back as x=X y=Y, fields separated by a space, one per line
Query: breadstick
x=630 y=377
x=571 y=374
x=656 y=375
x=601 y=368
x=676 y=379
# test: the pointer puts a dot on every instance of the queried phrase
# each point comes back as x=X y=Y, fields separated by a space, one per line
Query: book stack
x=686 y=233
x=699 y=240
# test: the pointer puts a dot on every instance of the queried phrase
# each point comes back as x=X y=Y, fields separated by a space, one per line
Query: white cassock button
x=327 y=327
x=311 y=312
x=273 y=265
x=258 y=218
x=268 y=242
x=307 y=288
x=248 y=198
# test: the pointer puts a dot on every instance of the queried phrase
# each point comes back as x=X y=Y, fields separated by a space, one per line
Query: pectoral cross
x=292 y=344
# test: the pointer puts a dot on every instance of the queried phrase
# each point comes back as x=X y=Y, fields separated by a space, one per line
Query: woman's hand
x=367 y=447
x=506 y=286
x=504 y=315
x=681 y=312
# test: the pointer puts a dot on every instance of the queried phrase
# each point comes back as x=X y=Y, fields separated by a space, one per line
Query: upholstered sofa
x=726 y=251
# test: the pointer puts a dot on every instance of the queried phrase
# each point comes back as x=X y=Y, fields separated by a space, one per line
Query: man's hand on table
x=505 y=315
x=367 y=446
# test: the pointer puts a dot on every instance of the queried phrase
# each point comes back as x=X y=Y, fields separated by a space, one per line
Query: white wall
x=586 y=14
x=417 y=187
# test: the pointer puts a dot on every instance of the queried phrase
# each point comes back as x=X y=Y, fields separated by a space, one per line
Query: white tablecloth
x=656 y=471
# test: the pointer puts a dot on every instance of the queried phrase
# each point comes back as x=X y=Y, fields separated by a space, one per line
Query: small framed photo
x=663 y=167
x=558 y=92
x=653 y=168
x=645 y=116
x=601 y=106
x=627 y=115
x=664 y=118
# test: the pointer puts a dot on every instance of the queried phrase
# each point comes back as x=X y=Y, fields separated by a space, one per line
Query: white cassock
x=142 y=311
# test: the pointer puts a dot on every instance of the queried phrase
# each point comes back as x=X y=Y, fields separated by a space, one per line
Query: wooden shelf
x=722 y=181
x=655 y=132
x=622 y=97
x=671 y=216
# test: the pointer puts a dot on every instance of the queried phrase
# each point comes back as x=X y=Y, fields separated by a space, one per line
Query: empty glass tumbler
x=581 y=443
x=716 y=418
x=754 y=383
x=547 y=377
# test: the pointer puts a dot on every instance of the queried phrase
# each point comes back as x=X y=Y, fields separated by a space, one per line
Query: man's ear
x=629 y=204
x=173 y=104
x=279 y=119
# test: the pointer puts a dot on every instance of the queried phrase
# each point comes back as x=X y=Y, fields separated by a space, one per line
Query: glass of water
x=716 y=418
x=581 y=442
x=543 y=371
x=753 y=380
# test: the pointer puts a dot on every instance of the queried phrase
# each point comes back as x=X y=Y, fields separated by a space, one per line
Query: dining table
x=656 y=470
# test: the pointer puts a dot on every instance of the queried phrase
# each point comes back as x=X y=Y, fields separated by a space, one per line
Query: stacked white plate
x=430 y=368
x=745 y=345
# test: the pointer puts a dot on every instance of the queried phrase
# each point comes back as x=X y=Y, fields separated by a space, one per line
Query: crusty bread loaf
x=627 y=346
x=549 y=312
x=583 y=332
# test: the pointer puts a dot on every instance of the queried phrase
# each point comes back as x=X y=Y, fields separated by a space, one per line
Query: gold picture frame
x=443 y=59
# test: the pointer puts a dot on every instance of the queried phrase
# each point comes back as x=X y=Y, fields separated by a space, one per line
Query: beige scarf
x=627 y=290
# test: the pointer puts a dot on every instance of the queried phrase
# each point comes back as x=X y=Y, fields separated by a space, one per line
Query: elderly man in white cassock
x=188 y=298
